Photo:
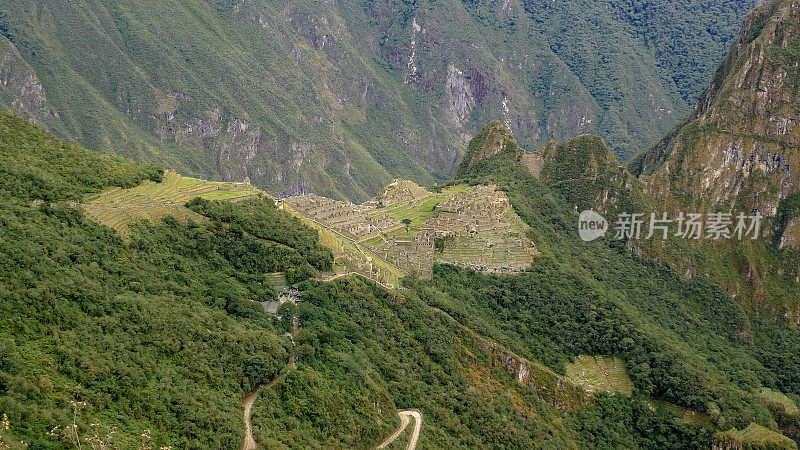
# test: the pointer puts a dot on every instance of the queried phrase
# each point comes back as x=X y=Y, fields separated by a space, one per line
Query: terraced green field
x=151 y=201
x=349 y=254
x=756 y=436
x=600 y=373
x=419 y=210
x=276 y=279
x=778 y=397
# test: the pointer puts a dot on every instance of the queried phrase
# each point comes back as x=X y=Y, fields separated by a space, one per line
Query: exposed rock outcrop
x=742 y=144
x=25 y=91
x=740 y=152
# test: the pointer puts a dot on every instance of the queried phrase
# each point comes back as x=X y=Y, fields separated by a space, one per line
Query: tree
x=287 y=311
x=407 y=223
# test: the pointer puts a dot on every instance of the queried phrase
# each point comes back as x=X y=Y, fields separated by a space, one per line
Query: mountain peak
x=742 y=143
x=493 y=139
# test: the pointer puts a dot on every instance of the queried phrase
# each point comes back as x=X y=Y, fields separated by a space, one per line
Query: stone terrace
x=479 y=227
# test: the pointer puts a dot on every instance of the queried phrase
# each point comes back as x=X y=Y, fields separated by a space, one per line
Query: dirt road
x=405 y=418
x=250 y=443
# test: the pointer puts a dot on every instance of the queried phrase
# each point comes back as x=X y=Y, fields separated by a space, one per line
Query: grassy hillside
x=600 y=373
x=341 y=99
x=494 y=138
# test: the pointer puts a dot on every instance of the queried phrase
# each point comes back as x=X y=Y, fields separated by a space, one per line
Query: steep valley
x=299 y=97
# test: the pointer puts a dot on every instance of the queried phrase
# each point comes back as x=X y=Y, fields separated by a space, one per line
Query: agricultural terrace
x=755 y=436
x=600 y=373
x=608 y=373
x=151 y=201
x=349 y=255
x=778 y=398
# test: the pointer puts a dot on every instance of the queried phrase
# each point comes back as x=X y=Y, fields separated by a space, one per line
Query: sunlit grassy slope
x=150 y=201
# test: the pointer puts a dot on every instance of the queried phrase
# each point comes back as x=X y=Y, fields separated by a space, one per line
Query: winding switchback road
x=405 y=418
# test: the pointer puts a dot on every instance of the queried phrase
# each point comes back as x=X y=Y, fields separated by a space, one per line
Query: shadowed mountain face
x=339 y=97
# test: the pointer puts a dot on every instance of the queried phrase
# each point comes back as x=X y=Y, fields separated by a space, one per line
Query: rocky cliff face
x=741 y=147
x=740 y=152
x=20 y=89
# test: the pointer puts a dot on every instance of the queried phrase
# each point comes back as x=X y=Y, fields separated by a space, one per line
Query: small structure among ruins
x=286 y=294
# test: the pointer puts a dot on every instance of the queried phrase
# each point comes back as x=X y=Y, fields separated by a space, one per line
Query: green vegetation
x=788 y=209
x=494 y=138
x=260 y=217
x=617 y=422
x=160 y=334
x=198 y=86
x=756 y=436
x=681 y=340
x=375 y=351
x=599 y=41
x=585 y=171
x=779 y=398
x=164 y=332
x=34 y=165
x=150 y=201
x=684 y=171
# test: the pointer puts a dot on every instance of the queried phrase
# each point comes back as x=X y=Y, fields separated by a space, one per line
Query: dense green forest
x=262 y=219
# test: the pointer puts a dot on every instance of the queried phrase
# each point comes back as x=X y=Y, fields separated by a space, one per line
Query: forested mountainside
x=738 y=152
x=339 y=97
x=158 y=337
x=740 y=146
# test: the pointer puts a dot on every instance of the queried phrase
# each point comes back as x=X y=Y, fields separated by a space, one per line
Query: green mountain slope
x=712 y=353
x=162 y=334
x=340 y=99
x=739 y=152
x=158 y=339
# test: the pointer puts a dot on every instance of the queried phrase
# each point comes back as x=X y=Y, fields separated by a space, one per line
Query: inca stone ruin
x=407 y=228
